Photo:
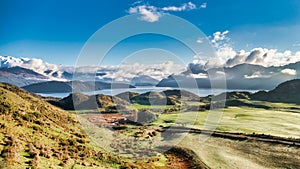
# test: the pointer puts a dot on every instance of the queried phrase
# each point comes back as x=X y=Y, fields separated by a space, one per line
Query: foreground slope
x=37 y=134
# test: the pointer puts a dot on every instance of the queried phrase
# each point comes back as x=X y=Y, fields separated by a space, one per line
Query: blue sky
x=55 y=31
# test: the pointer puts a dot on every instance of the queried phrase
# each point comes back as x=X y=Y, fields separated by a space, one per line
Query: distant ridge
x=243 y=76
x=57 y=87
x=69 y=86
x=287 y=92
x=20 y=76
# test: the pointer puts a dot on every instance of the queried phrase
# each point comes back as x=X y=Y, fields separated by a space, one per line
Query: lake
x=199 y=92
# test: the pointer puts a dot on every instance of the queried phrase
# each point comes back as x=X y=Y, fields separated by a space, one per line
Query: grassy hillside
x=35 y=133
x=287 y=92
x=228 y=154
x=80 y=101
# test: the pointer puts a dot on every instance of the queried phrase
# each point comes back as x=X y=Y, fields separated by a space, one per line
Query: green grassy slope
x=287 y=92
x=35 y=134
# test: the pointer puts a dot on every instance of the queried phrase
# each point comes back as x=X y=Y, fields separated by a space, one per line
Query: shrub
x=169 y=121
x=145 y=116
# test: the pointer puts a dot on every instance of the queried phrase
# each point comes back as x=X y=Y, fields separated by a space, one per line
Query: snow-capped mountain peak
x=35 y=64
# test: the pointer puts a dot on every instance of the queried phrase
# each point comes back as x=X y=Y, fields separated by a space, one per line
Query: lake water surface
x=199 y=92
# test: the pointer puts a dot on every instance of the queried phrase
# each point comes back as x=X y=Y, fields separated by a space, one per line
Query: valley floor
x=246 y=136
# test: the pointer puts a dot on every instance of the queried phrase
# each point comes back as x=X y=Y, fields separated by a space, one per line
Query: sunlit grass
x=281 y=120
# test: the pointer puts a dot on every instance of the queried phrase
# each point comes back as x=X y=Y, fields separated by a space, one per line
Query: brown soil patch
x=183 y=158
x=107 y=119
x=177 y=162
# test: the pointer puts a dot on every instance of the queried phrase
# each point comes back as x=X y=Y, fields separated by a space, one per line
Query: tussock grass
x=39 y=135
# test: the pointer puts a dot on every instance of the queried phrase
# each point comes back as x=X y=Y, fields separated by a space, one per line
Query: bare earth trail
x=237 y=136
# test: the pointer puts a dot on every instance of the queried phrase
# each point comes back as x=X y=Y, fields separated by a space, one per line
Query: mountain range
x=20 y=76
x=283 y=93
x=22 y=72
x=243 y=76
x=287 y=92
x=70 y=86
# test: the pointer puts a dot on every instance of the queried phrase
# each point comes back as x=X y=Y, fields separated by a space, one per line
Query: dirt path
x=238 y=136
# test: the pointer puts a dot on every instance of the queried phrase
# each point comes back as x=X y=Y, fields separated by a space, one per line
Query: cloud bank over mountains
x=122 y=73
x=228 y=57
x=37 y=65
x=254 y=68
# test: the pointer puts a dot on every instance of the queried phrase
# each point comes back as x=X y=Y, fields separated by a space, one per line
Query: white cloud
x=220 y=73
x=291 y=72
x=152 y=13
x=251 y=77
x=183 y=7
x=122 y=73
x=256 y=75
x=199 y=76
x=228 y=57
x=200 y=40
x=297 y=44
x=226 y=52
x=37 y=65
x=149 y=13
x=264 y=57
x=125 y=73
x=220 y=36
x=223 y=50
x=136 y=3
x=204 y=5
